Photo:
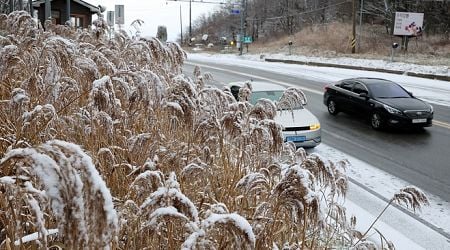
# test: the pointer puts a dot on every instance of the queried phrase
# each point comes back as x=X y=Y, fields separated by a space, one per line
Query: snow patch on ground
x=370 y=63
x=438 y=213
x=365 y=219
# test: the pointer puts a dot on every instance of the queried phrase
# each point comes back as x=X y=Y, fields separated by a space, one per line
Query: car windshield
x=273 y=95
x=387 y=90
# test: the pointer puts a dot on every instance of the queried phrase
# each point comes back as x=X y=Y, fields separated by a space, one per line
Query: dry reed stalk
x=76 y=194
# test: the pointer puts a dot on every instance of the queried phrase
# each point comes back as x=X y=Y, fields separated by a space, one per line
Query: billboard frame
x=408 y=24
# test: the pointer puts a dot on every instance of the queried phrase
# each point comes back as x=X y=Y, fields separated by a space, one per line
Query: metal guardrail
x=399 y=72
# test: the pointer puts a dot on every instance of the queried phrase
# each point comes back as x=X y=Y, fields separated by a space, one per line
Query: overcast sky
x=158 y=12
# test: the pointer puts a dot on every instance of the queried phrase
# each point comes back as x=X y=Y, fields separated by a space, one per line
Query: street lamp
x=394 y=47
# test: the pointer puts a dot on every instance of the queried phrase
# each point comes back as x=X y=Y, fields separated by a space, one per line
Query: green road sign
x=248 y=39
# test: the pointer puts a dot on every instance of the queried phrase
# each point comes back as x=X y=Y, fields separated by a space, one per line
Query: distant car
x=385 y=103
x=301 y=126
x=198 y=47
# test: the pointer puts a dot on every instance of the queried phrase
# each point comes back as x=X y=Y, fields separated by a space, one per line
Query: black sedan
x=386 y=103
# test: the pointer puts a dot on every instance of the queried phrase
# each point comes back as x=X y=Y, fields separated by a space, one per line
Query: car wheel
x=376 y=121
x=332 y=107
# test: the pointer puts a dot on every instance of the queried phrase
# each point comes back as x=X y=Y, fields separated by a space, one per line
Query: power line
x=190 y=9
x=298 y=13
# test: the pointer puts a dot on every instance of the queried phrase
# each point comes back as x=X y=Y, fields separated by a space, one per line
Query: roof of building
x=92 y=8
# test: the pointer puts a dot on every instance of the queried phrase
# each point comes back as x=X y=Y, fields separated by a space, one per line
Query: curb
x=399 y=72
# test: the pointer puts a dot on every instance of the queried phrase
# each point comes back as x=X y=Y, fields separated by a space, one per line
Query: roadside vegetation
x=107 y=144
x=324 y=28
x=332 y=40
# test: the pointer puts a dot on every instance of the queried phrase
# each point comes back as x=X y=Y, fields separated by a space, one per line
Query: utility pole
x=11 y=6
x=190 y=20
x=30 y=4
x=245 y=23
x=190 y=9
x=48 y=10
x=68 y=10
x=353 y=42
x=360 y=24
x=241 y=36
x=181 y=26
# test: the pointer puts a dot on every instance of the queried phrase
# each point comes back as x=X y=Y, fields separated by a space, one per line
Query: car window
x=388 y=90
x=274 y=95
x=235 y=91
x=358 y=88
x=346 y=85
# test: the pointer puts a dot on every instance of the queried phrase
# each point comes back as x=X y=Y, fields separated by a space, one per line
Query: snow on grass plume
x=170 y=195
x=79 y=198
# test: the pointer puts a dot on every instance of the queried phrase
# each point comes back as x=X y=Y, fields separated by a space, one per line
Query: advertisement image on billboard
x=408 y=24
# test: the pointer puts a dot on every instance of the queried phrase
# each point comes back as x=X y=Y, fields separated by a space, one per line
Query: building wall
x=75 y=10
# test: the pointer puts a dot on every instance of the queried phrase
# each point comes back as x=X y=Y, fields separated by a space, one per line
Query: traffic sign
x=235 y=12
x=119 y=14
x=248 y=39
x=110 y=18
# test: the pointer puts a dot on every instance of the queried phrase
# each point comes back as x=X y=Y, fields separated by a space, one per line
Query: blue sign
x=235 y=12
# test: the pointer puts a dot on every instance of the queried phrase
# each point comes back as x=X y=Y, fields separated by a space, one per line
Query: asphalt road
x=420 y=157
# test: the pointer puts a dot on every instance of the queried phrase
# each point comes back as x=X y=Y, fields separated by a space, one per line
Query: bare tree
x=267 y=18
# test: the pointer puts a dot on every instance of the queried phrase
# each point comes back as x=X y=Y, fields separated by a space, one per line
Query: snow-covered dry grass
x=105 y=144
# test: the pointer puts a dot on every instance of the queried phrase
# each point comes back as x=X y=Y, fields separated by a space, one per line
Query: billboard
x=120 y=18
x=408 y=24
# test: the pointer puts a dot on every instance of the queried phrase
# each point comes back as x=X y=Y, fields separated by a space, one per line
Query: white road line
x=441 y=124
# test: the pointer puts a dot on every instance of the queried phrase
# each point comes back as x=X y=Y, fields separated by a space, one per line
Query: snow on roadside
x=370 y=63
x=433 y=91
x=385 y=184
x=364 y=219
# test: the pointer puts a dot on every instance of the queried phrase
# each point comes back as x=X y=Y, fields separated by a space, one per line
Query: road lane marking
x=441 y=124
x=435 y=122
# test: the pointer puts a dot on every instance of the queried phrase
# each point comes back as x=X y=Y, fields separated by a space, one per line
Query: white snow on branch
x=162 y=212
x=7 y=180
x=240 y=222
x=33 y=236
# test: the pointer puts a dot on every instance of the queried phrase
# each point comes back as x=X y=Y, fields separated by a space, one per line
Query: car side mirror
x=410 y=93
x=364 y=95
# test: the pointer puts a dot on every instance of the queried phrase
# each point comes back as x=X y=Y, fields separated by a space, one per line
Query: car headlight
x=431 y=108
x=314 y=126
x=392 y=110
